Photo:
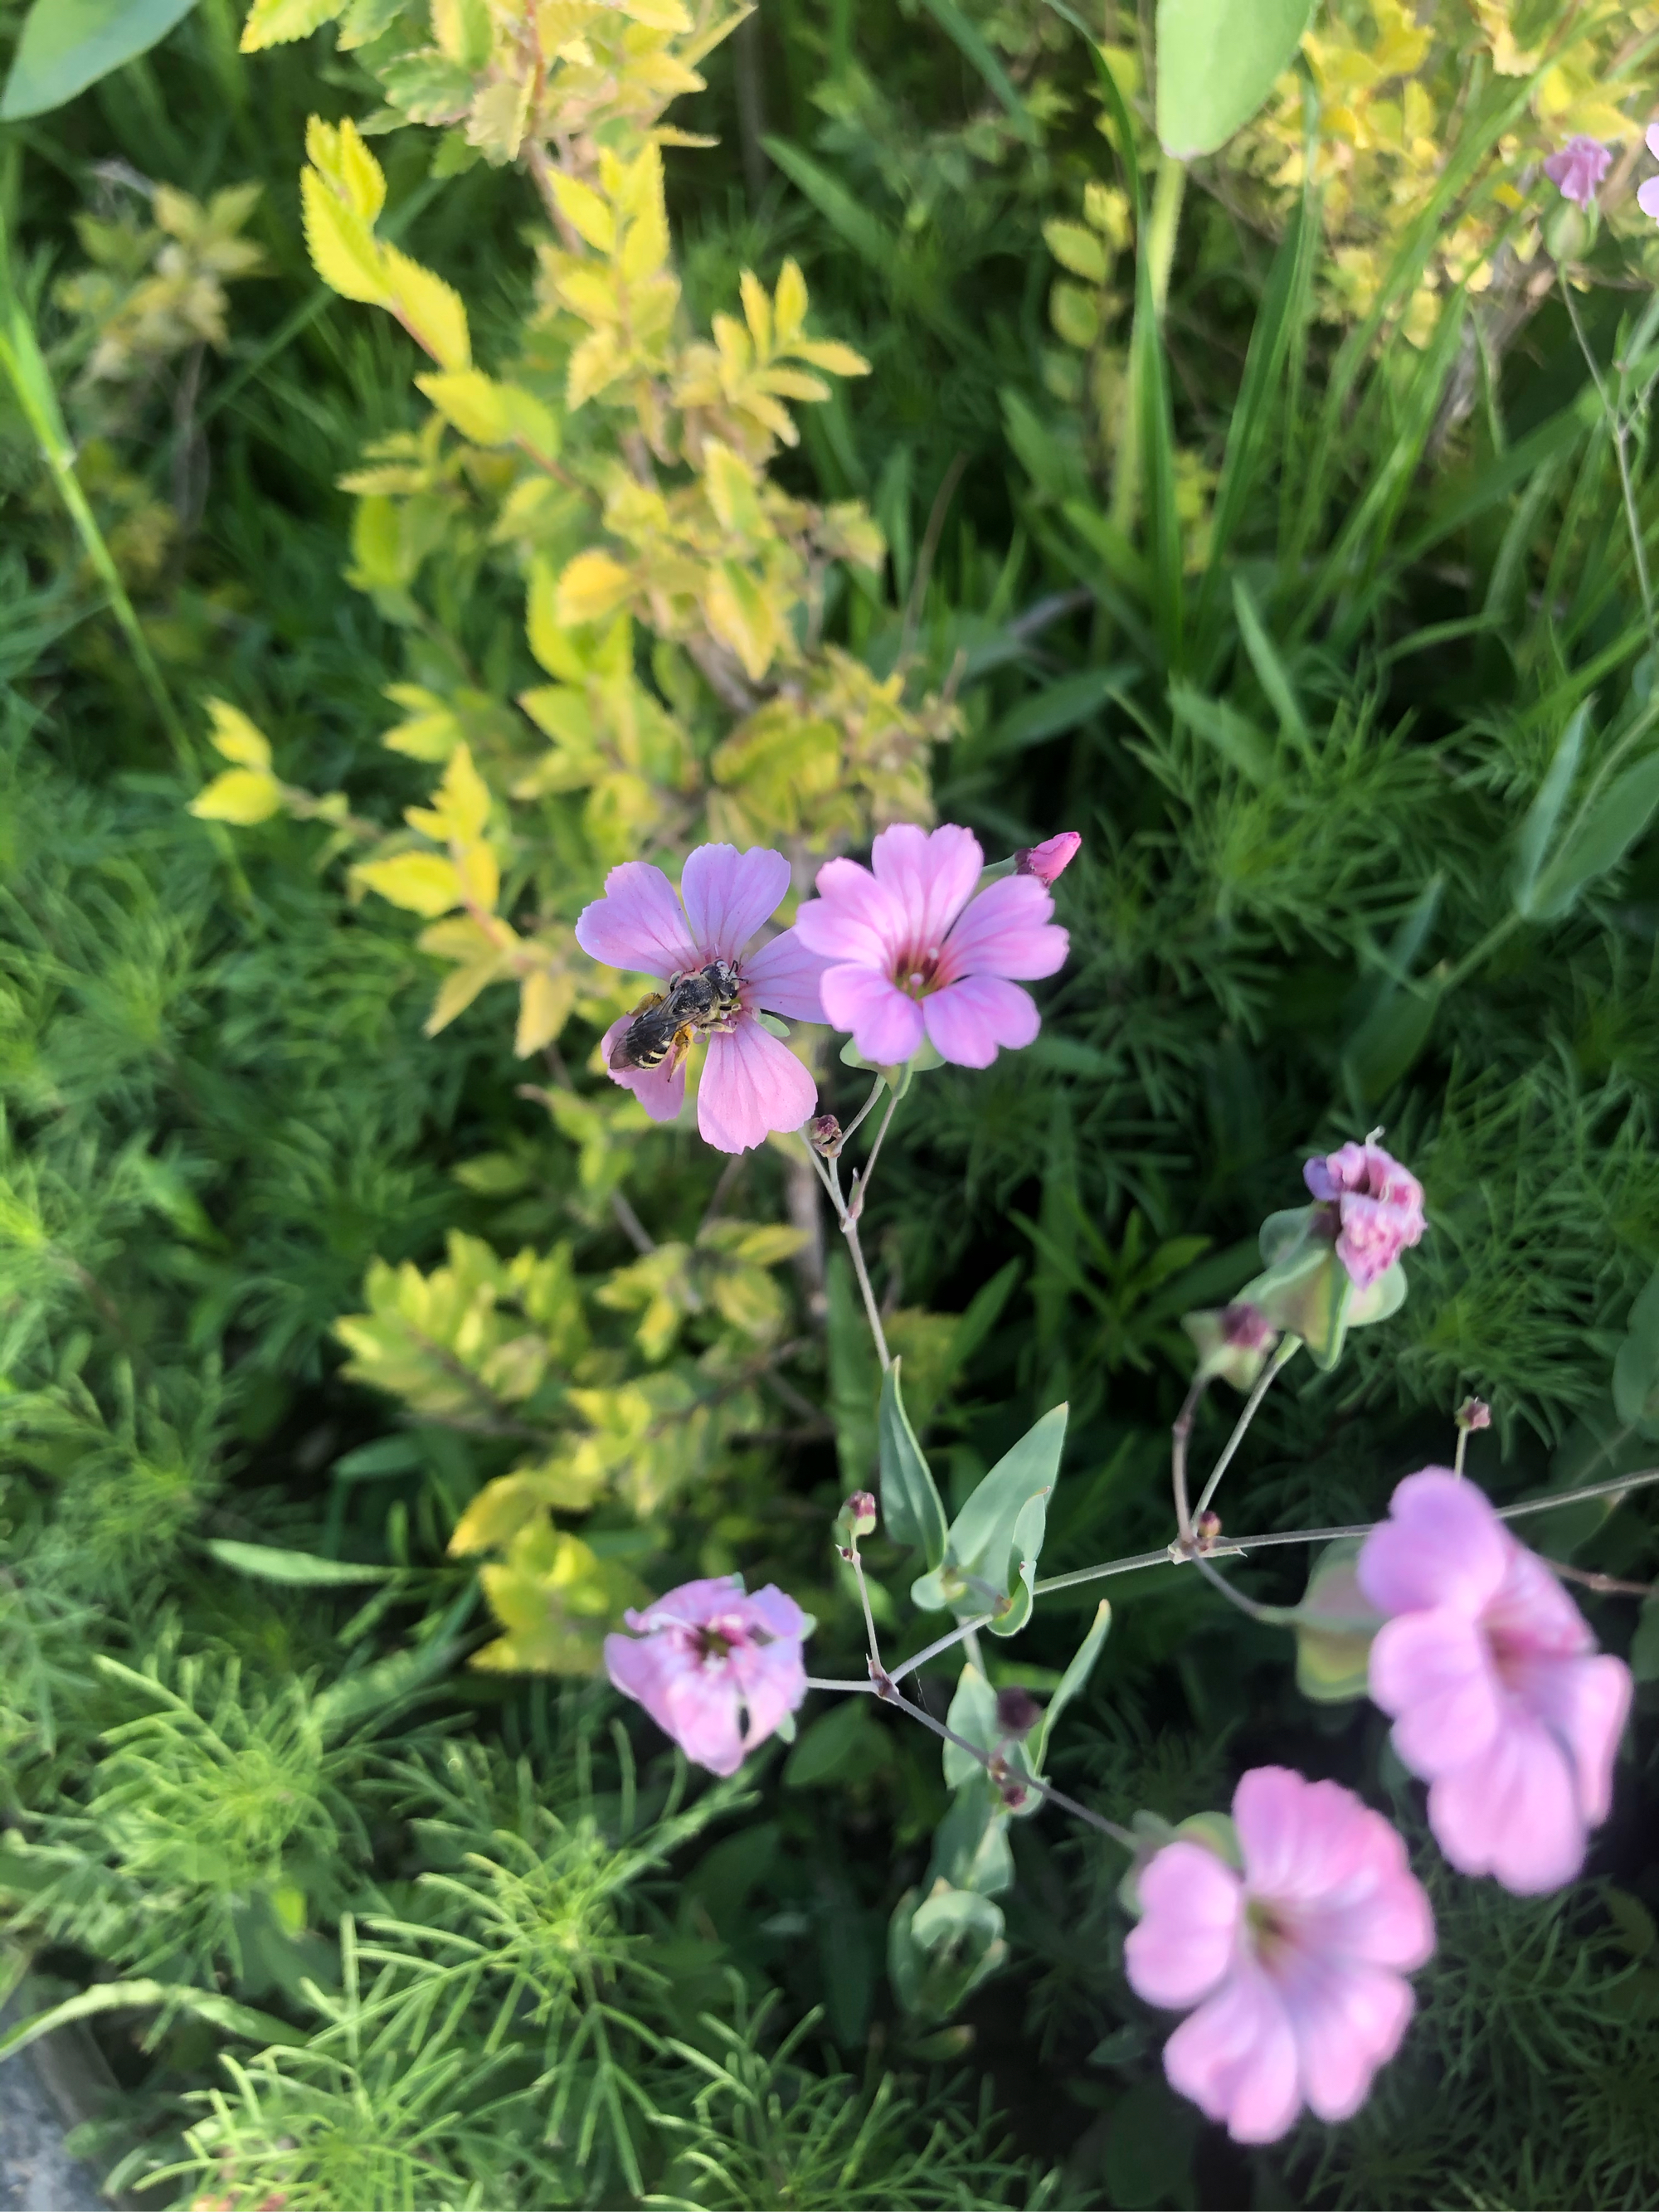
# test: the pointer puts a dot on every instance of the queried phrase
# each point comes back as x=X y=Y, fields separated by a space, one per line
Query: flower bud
x=1233 y=1342
x=1207 y=1526
x=823 y=1134
x=1473 y=1413
x=860 y=1510
x=1017 y=1712
x=1050 y=859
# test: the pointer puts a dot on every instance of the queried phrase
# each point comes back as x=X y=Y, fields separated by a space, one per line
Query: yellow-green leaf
x=741 y=617
x=592 y=587
x=343 y=251
x=472 y=402
x=342 y=157
x=241 y=795
x=546 y=1001
x=789 y=303
x=424 y=882
x=1077 y=249
x=732 y=491
x=583 y=207
x=429 y=310
x=236 y=737
x=275 y=22
x=756 y=311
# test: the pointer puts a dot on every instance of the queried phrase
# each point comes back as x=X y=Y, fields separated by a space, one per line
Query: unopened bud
x=1050 y=859
x=823 y=1134
x=1017 y=1712
x=860 y=1510
x=1207 y=1527
x=1473 y=1413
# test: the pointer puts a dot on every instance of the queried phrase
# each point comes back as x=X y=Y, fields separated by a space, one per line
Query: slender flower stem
x=827 y=1682
x=957 y=1636
x=851 y=1555
x=1179 y=1433
x=998 y=1772
x=1288 y=1348
x=1463 y=1447
x=852 y=1124
x=850 y=1230
x=1616 y=431
x=862 y=1180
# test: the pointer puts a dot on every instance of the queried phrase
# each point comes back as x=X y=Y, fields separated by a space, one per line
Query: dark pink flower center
x=919 y=970
x=1512 y=1657
x=1271 y=1931
x=713 y=1644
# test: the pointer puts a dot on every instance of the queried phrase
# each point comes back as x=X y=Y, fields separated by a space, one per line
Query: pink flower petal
x=729 y=894
x=1584 y=1703
x=659 y=1090
x=1441 y=1545
x=1433 y=1672
x=852 y=918
x=1347 y=2020
x=639 y=925
x=784 y=977
x=693 y=1604
x=969 y=1020
x=1529 y=1610
x=1236 y=2057
x=1380 y=1915
x=1647 y=196
x=1188 y=1933
x=751 y=1085
x=772 y=1681
x=1512 y=1811
x=931 y=874
x=702 y=1718
x=885 y=1023
x=1006 y=932
x=777 y=1611
x=1298 y=1838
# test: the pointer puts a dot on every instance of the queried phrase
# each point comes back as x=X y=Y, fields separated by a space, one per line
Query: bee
x=664 y=1026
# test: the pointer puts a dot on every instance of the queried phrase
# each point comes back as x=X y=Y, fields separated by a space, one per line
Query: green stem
x=1163 y=226
x=1289 y=1346
x=1616 y=432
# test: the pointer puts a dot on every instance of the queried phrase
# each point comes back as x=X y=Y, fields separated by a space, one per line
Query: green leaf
x=1156 y=429
x=970 y=44
x=852 y=1375
x=1599 y=839
x=973 y=1714
x=845 y=1744
x=1239 y=742
x=1216 y=62
x=1539 y=829
x=121 y=1996
x=67 y=45
x=998 y=1535
x=1636 y=1365
x=1332 y=1658
x=295 y=1569
x=1270 y=671
x=911 y=1508
x=1050 y=713
x=1072 y=1683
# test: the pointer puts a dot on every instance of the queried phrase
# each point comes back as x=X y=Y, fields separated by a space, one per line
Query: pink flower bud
x=1050 y=859
x=860 y=1510
x=1473 y=1413
x=823 y=1134
x=1246 y=1327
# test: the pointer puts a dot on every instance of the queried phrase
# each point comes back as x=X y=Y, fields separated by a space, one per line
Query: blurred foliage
x=1265 y=523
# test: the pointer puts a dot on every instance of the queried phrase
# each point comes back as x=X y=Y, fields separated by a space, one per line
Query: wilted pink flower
x=1379 y=1207
x=1296 y=1966
x=1499 y=1698
x=911 y=948
x=752 y=1082
x=1050 y=859
x=1647 y=197
x=1578 y=168
x=715 y=1669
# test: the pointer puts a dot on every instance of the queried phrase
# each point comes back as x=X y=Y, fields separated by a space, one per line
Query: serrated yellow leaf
x=464 y=796
x=596 y=363
x=732 y=491
x=592 y=586
x=789 y=303
x=645 y=249
x=236 y=737
x=472 y=402
x=756 y=311
x=342 y=252
x=829 y=354
x=657 y=15
x=481 y=876
x=428 y=309
x=422 y=882
x=275 y=22
x=458 y=991
x=588 y=213
x=462 y=30
x=241 y=795
x=533 y=422
x=546 y=1002
x=1077 y=249
x=338 y=152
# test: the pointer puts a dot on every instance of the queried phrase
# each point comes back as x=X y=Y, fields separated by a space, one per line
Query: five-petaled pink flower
x=1379 y=1207
x=1050 y=859
x=715 y=1669
x=1499 y=1698
x=1296 y=1966
x=911 y=949
x=1578 y=168
x=1647 y=197
x=752 y=1082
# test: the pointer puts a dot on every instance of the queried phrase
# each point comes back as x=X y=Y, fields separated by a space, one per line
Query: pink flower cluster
x=1578 y=169
x=715 y=1669
x=1295 y=1965
x=1379 y=1207
x=1499 y=1698
x=893 y=951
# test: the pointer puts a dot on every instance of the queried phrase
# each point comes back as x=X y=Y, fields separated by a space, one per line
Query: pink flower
x=1296 y=1966
x=1379 y=1207
x=752 y=1082
x=1578 y=168
x=1499 y=1698
x=1647 y=197
x=912 y=949
x=705 y=1659
x=1050 y=859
